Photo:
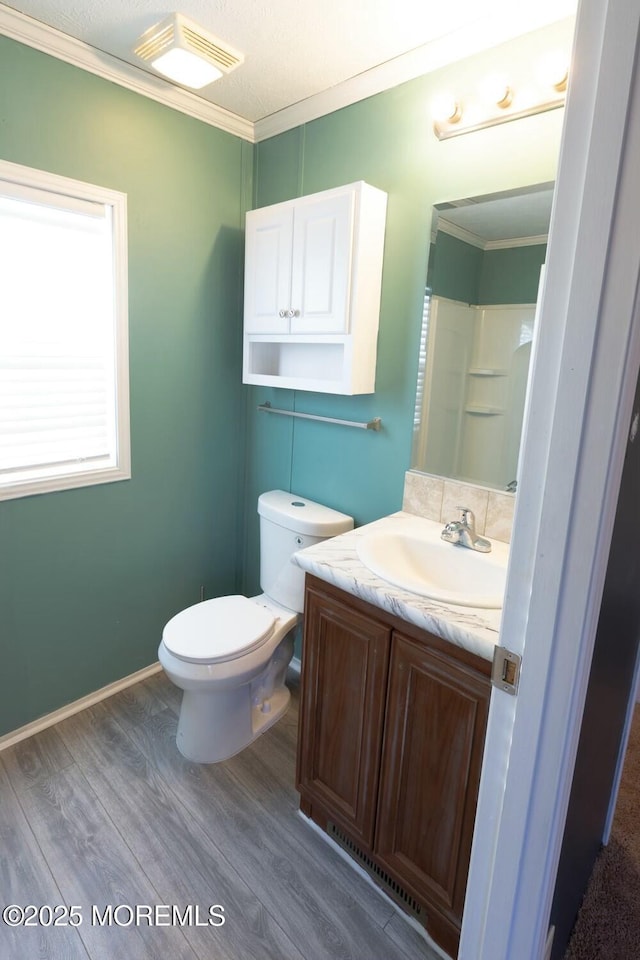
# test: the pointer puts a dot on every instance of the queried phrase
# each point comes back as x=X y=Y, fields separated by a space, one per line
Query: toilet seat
x=217 y=630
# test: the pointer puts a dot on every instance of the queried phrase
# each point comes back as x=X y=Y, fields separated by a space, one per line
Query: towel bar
x=374 y=424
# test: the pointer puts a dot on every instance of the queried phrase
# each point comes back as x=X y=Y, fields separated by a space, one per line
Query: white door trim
x=584 y=376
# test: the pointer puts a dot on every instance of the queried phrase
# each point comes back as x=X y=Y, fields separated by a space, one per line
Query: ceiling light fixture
x=183 y=52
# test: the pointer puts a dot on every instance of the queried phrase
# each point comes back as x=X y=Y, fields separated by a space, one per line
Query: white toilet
x=230 y=655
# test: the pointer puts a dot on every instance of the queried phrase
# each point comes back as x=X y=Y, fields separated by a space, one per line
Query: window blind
x=57 y=337
x=419 y=413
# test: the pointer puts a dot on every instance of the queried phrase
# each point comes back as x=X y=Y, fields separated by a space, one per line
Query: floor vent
x=390 y=886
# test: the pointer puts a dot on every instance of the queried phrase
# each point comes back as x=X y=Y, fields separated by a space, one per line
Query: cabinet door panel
x=430 y=774
x=345 y=660
x=322 y=265
x=268 y=269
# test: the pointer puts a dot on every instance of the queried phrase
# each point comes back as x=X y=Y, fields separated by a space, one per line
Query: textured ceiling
x=293 y=49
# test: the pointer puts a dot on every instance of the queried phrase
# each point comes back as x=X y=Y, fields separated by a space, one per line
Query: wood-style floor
x=103 y=810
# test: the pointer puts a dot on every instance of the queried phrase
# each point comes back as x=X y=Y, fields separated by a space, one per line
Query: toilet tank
x=289 y=523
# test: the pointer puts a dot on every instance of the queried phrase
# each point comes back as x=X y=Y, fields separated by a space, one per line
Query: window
x=64 y=388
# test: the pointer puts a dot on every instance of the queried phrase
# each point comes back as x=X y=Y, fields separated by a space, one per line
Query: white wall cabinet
x=313 y=271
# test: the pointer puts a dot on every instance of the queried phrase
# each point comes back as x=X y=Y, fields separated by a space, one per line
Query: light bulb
x=553 y=70
x=446 y=109
x=496 y=91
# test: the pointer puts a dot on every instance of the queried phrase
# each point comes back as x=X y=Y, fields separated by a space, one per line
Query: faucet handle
x=468 y=517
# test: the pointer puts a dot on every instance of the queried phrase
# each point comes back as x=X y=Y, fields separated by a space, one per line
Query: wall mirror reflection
x=483 y=277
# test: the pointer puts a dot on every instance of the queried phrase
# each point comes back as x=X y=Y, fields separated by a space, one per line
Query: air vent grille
x=391 y=886
x=222 y=58
x=156 y=44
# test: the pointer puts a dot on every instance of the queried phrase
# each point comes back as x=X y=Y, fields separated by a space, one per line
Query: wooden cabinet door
x=432 y=755
x=320 y=283
x=267 y=285
x=344 y=676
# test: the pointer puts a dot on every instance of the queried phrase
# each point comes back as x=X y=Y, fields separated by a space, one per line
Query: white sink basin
x=409 y=553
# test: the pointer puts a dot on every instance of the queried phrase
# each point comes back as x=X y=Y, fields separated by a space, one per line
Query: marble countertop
x=337 y=561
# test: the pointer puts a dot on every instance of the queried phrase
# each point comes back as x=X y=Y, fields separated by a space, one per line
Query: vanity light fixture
x=499 y=100
x=182 y=51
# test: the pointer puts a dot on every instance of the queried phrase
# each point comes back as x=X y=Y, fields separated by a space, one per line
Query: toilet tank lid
x=302 y=515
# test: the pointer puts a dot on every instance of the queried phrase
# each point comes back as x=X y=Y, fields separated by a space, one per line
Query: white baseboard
x=29 y=729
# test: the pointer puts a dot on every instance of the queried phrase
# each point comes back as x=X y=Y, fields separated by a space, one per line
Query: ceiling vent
x=185 y=53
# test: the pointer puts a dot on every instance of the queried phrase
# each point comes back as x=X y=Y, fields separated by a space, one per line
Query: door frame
x=585 y=368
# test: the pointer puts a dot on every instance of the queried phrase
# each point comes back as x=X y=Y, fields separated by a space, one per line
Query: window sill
x=88 y=478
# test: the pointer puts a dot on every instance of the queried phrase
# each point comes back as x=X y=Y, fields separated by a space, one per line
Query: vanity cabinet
x=346 y=662
x=392 y=729
x=313 y=271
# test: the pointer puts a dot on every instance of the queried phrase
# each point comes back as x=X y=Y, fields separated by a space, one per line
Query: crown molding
x=460 y=233
x=42 y=37
x=517 y=242
x=454 y=230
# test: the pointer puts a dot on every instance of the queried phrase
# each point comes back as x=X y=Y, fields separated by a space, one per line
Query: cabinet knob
x=283 y=313
x=293 y=313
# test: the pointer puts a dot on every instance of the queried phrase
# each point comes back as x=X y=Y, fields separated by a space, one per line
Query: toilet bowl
x=230 y=655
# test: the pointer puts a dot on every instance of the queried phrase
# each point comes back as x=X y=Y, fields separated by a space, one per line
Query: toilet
x=230 y=655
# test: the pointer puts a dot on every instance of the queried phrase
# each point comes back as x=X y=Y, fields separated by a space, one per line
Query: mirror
x=483 y=276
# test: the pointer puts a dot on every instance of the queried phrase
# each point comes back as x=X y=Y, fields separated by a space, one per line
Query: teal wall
x=511 y=275
x=455 y=268
x=388 y=141
x=88 y=577
x=461 y=271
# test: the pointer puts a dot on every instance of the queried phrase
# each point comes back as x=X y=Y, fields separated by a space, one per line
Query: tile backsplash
x=437 y=498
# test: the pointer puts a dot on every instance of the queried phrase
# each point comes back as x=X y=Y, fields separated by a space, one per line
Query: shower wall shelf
x=486 y=372
x=374 y=424
x=484 y=410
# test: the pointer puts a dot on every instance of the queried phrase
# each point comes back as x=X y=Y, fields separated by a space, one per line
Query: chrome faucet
x=463 y=532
